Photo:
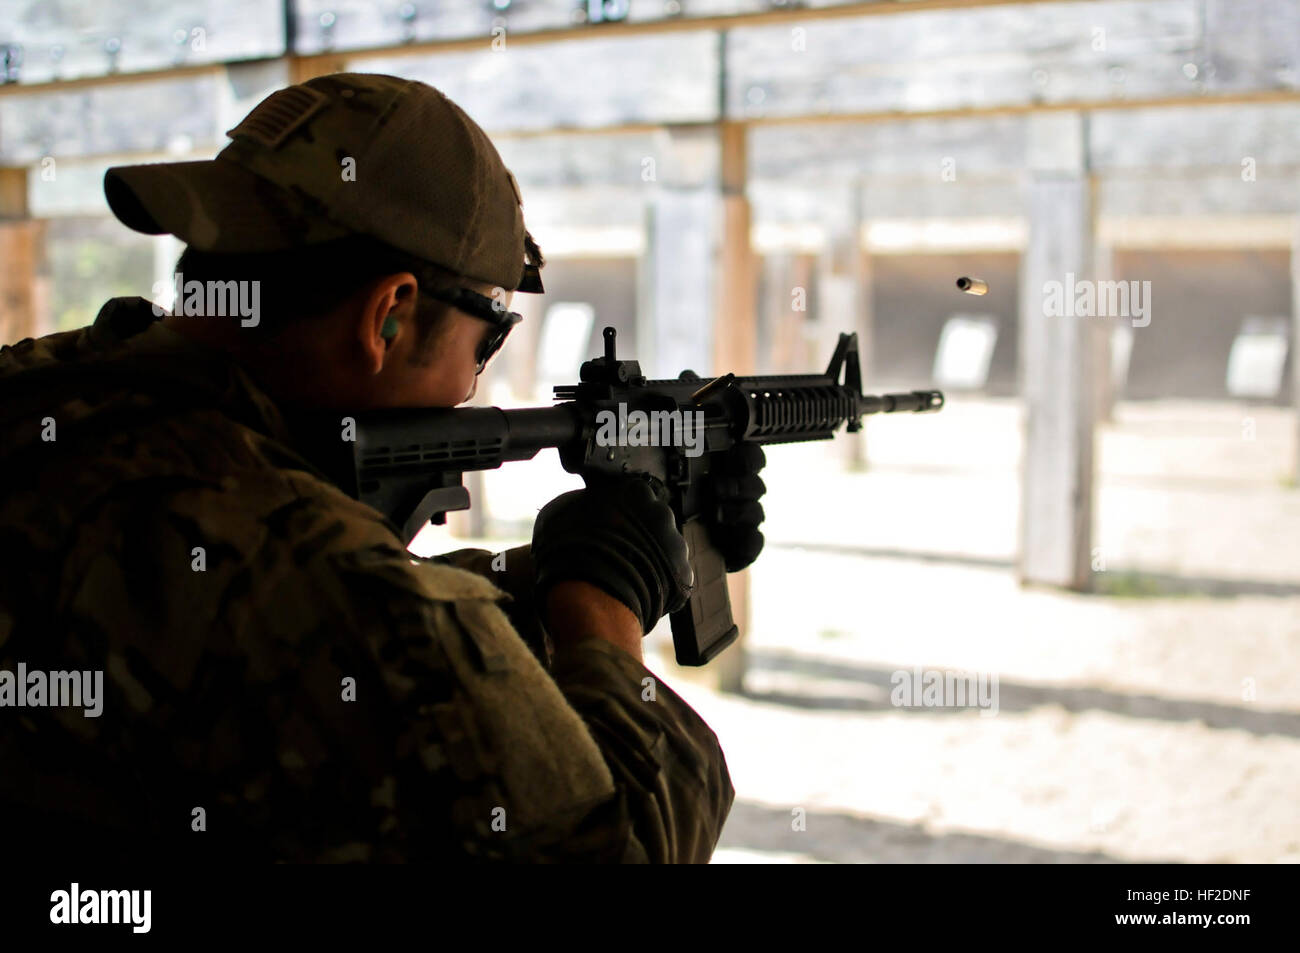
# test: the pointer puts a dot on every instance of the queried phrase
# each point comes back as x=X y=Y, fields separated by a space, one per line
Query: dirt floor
x=1158 y=720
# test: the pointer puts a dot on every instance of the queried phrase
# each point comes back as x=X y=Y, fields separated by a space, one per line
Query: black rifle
x=408 y=464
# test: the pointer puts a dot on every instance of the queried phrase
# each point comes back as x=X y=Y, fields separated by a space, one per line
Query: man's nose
x=473 y=389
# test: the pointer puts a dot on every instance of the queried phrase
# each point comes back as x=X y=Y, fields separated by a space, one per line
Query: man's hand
x=617 y=536
x=737 y=488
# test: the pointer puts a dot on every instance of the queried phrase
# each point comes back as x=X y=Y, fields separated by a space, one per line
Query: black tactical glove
x=617 y=536
x=737 y=488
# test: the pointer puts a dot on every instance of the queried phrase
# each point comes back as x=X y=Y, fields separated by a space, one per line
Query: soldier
x=283 y=680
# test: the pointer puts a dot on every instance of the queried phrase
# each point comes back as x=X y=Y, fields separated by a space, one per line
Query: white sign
x=1257 y=358
x=965 y=351
x=565 y=332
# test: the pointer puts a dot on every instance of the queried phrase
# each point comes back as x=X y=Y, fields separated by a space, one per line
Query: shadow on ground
x=1116 y=583
x=1011 y=697
x=841 y=838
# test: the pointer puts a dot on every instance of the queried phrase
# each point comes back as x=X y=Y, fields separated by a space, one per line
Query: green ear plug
x=389 y=330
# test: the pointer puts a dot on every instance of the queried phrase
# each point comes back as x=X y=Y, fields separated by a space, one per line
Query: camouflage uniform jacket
x=274 y=656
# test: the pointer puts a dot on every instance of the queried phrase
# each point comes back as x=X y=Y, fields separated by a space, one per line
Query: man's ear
x=387 y=313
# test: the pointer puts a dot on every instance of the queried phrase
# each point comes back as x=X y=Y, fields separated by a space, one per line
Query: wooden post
x=24 y=285
x=785 y=307
x=675 y=287
x=735 y=343
x=699 y=311
x=736 y=326
x=866 y=327
x=1057 y=357
x=802 y=276
x=1103 y=262
x=1295 y=340
x=301 y=68
x=774 y=309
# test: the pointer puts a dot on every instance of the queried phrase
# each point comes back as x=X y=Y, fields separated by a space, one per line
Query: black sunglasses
x=484 y=308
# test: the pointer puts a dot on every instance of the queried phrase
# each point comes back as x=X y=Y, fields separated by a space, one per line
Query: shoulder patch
x=439 y=582
x=452 y=584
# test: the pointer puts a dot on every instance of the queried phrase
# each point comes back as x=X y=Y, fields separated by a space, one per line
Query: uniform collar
x=156 y=355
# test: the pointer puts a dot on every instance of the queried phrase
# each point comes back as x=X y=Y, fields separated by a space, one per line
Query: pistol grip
x=704 y=627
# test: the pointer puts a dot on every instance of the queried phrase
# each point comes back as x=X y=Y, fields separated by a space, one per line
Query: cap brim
x=215 y=206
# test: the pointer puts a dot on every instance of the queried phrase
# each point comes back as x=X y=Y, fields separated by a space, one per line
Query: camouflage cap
x=339 y=155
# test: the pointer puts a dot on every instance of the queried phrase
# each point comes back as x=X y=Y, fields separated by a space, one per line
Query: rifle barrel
x=915 y=402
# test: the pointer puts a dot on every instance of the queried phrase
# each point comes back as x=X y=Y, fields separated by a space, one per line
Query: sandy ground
x=1160 y=722
x=1120 y=734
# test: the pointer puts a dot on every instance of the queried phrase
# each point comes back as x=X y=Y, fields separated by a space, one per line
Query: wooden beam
x=603 y=31
x=625 y=28
x=1259 y=97
x=1196 y=231
x=193 y=71
x=956 y=234
x=307 y=67
x=1262 y=97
